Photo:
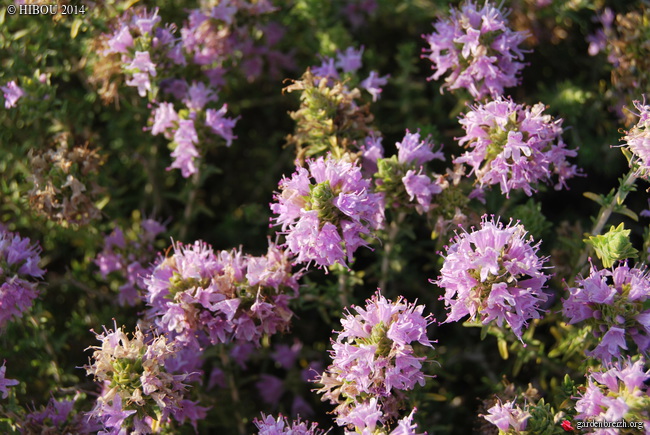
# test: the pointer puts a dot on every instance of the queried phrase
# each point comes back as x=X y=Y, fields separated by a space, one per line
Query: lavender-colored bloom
x=198 y=95
x=514 y=146
x=638 y=138
x=373 y=84
x=327 y=69
x=373 y=360
x=4 y=382
x=120 y=42
x=19 y=275
x=200 y=297
x=132 y=260
x=220 y=124
x=59 y=416
x=165 y=119
x=270 y=388
x=413 y=150
x=137 y=385
x=185 y=152
x=268 y=425
x=325 y=210
x=612 y=302
x=145 y=22
x=350 y=60
x=12 y=93
x=286 y=355
x=615 y=393
x=421 y=188
x=494 y=274
x=406 y=426
x=141 y=67
x=478 y=49
x=508 y=416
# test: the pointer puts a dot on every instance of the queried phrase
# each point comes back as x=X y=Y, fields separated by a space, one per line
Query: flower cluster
x=514 y=146
x=12 y=93
x=616 y=393
x=59 y=416
x=402 y=177
x=201 y=297
x=478 y=49
x=268 y=425
x=331 y=117
x=4 y=382
x=137 y=387
x=156 y=61
x=614 y=303
x=19 y=272
x=493 y=273
x=374 y=361
x=508 y=416
x=638 y=138
x=64 y=179
x=130 y=257
x=324 y=211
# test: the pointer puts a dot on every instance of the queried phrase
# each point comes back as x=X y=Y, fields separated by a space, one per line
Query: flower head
x=374 y=360
x=324 y=211
x=514 y=146
x=269 y=425
x=638 y=138
x=4 y=382
x=493 y=273
x=613 y=302
x=19 y=275
x=478 y=50
x=12 y=93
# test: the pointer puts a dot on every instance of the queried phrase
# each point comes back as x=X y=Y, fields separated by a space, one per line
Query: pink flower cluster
x=374 y=360
x=269 y=425
x=495 y=274
x=614 y=303
x=349 y=61
x=508 y=416
x=138 y=388
x=514 y=146
x=211 y=42
x=19 y=275
x=324 y=211
x=616 y=393
x=4 y=382
x=130 y=258
x=638 y=138
x=203 y=297
x=59 y=416
x=478 y=49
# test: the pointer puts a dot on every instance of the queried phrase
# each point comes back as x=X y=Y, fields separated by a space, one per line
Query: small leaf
x=598 y=198
x=503 y=347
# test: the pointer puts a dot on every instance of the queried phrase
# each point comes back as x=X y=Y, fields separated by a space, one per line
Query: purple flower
x=185 y=152
x=286 y=355
x=638 y=138
x=270 y=388
x=373 y=360
x=19 y=275
x=4 y=382
x=146 y=22
x=406 y=426
x=268 y=425
x=220 y=124
x=165 y=120
x=514 y=146
x=412 y=150
x=373 y=84
x=508 y=416
x=200 y=297
x=58 y=416
x=120 y=42
x=612 y=302
x=350 y=60
x=420 y=187
x=12 y=93
x=325 y=210
x=477 y=48
x=495 y=274
x=327 y=69
x=198 y=95
x=137 y=385
x=615 y=392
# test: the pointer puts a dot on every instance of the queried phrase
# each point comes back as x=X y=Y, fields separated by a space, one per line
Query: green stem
x=393 y=231
x=234 y=391
x=189 y=206
x=604 y=214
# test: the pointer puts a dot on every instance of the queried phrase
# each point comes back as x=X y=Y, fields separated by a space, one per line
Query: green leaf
x=613 y=246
